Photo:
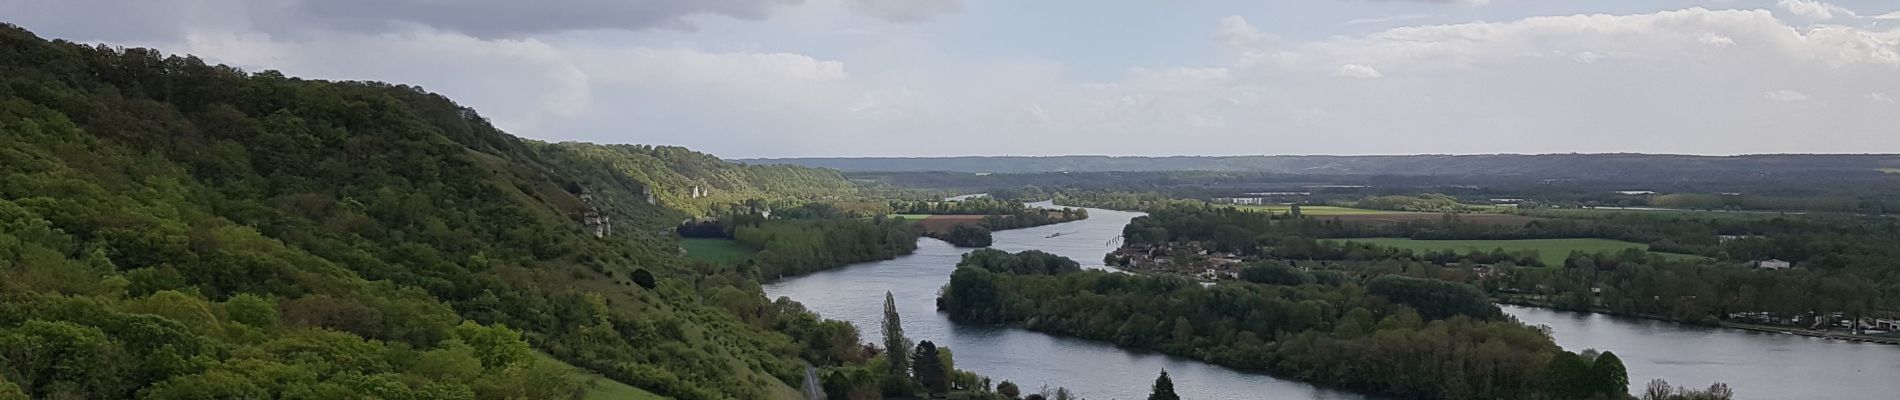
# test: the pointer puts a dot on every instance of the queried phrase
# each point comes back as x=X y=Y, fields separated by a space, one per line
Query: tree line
x=1397 y=336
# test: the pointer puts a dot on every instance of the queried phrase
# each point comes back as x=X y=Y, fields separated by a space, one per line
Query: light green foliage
x=717 y=251
x=251 y=309
x=157 y=209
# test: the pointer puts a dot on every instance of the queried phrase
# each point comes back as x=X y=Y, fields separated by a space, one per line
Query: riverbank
x=1519 y=301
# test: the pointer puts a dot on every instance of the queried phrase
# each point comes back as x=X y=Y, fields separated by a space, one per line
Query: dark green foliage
x=794 y=247
x=644 y=278
x=927 y=366
x=1034 y=262
x=894 y=341
x=966 y=235
x=1337 y=336
x=1009 y=389
x=1611 y=378
x=1274 y=273
x=1163 y=388
x=1435 y=299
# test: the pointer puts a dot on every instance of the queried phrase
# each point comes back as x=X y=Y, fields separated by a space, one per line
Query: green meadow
x=1318 y=211
x=717 y=251
x=1552 y=251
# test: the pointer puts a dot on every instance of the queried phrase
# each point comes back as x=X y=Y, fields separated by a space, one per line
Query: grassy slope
x=1553 y=251
x=717 y=251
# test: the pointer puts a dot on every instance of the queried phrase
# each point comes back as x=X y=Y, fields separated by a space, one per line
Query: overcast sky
x=779 y=78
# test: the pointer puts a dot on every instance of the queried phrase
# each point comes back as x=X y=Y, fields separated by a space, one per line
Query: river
x=1758 y=366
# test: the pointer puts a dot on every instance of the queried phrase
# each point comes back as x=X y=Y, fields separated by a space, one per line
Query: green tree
x=1611 y=378
x=1009 y=389
x=1163 y=388
x=929 y=369
x=894 y=341
x=251 y=309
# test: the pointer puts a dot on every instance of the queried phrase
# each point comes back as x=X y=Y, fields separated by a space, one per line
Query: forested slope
x=172 y=229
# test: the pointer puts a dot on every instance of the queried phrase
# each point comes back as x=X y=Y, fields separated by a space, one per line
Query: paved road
x=813 y=389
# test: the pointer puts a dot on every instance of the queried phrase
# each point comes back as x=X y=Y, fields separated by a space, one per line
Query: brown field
x=943 y=223
x=1392 y=219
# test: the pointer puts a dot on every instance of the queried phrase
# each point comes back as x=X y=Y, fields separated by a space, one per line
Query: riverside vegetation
x=1392 y=335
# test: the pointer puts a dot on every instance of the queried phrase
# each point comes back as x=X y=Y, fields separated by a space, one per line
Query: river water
x=1758 y=366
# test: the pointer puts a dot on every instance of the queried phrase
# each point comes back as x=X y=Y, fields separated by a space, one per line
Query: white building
x=1772 y=264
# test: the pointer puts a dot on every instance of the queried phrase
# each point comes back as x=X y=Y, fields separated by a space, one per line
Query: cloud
x=1236 y=32
x=159 y=19
x=1687 y=81
x=1785 y=96
x=1815 y=10
x=1457 y=2
x=1878 y=97
x=1394 y=18
x=905 y=10
x=1358 y=71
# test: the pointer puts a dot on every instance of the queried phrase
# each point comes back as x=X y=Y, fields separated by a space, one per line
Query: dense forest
x=1399 y=336
x=175 y=229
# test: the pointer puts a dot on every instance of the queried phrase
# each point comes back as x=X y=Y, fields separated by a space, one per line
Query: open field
x=717 y=251
x=1651 y=212
x=1389 y=219
x=912 y=217
x=943 y=223
x=1320 y=211
x=1552 y=251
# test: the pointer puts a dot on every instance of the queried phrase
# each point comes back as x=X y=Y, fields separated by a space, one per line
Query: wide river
x=1758 y=366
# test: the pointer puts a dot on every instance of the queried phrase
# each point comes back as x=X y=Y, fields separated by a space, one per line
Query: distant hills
x=1555 y=166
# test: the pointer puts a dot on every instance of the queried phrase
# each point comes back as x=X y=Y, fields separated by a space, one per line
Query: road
x=813 y=389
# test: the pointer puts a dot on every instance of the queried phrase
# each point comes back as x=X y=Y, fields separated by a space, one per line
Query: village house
x=1771 y=264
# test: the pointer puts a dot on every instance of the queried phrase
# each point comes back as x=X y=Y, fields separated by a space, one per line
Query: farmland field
x=717 y=251
x=1552 y=251
x=1320 y=211
x=943 y=223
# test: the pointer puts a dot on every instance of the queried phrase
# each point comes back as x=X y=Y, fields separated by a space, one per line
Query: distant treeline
x=1843 y=263
x=1396 y=336
x=794 y=247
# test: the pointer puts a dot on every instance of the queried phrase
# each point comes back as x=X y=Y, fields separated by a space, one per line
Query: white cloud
x=905 y=10
x=1717 y=40
x=1394 y=18
x=1879 y=97
x=1358 y=71
x=1785 y=96
x=1235 y=31
x=1689 y=81
x=1815 y=10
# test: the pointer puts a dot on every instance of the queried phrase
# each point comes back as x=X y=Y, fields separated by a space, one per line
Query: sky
x=814 y=78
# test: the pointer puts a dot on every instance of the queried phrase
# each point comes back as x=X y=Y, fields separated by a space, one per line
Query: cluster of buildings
x=1185 y=258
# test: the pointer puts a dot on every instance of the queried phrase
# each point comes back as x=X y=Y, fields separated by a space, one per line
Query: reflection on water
x=1094 y=370
x=1757 y=365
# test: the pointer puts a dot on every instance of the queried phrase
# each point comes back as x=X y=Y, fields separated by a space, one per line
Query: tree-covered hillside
x=688 y=180
x=173 y=229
